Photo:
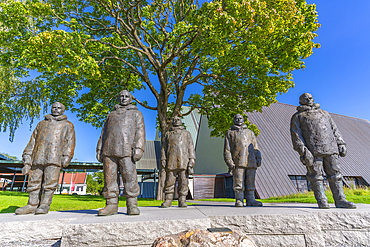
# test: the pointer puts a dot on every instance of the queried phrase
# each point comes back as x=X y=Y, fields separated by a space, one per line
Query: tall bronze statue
x=242 y=156
x=121 y=144
x=318 y=141
x=177 y=158
x=51 y=147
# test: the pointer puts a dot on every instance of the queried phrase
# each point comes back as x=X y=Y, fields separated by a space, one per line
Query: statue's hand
x=26 y=169
x=342 y=150
x=65 y=161
x=137 y=154
x=191 y=162
x=190 y=170
x=258 y=162
x=163 y=164
x=98 y=156
x=231 y=170
x=231 y=165
x=307 y=157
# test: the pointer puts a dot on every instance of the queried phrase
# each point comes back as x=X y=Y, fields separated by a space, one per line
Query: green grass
x=355 y=195
x=10 y=201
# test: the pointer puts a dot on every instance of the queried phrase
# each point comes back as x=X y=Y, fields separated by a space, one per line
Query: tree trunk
x=162 y=117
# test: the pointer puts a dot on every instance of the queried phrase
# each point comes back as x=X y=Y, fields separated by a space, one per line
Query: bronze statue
x=177 y=158
x=318 y=141
x=121 y=144
x=50 y=148
x=242 y=156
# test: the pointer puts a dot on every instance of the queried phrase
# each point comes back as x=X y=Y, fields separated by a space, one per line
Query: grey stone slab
x=272 y=221
x=315 y=240
x=278 y=240
x=344 y=220
x=269 y=224
x=146 y=214
x=126 y=233
x=32 y=230
x=347 y=238
x=210 y=208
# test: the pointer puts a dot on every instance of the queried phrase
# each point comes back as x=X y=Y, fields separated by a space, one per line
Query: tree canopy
x=241 y=52
x=95 y=183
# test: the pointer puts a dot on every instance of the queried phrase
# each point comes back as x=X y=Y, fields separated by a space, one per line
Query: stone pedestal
x=271 y=225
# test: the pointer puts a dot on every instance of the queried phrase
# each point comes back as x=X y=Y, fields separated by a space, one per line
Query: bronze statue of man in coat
x=50 y=148
x=316 y=138
x=177 y=158
x=242 y=156
x=121 y=144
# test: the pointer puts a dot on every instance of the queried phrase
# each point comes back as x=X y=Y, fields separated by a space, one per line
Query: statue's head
x=124 y=98
x=176 y=121
x=238 y=120
x=57 y=109
x=306 y=99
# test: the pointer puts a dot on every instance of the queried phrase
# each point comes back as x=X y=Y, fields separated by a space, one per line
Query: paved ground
x=201 y=210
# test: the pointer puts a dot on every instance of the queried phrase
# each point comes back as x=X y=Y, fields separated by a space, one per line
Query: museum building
x=281 y=172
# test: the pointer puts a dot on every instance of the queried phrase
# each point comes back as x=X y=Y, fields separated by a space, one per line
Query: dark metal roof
x=279 y=160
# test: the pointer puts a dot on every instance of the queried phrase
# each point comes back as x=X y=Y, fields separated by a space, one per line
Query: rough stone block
x=315 y=240
x=126 y=233
x=347 y=238
x=344 y=220
x=32 y=230
x=278 y=240
x=269 y=224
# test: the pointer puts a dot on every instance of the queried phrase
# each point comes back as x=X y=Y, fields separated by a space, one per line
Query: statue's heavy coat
x=177 y=148
x=123 y=131
x=315 y=129
x=53 y=138
x=240 y=146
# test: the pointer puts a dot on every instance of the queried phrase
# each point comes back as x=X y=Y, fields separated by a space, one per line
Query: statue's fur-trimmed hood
x=315 y=106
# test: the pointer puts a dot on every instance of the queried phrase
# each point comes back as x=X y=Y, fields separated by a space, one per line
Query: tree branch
x=142 y=104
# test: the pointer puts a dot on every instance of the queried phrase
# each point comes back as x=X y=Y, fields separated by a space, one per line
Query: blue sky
x=337 y=75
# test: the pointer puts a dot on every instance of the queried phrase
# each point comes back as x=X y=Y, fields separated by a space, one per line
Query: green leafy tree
x=240 y=52
x=19 y=100
x=95 y=183
x=9 y=156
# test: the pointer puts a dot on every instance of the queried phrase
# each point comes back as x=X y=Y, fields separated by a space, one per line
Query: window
x=300 y=182
x=354 y=182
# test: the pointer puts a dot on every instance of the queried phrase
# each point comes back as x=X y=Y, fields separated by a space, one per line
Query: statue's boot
x=251 y=200
x=132 y=208
x=339 y=196
x=319 y=192
x=33 y=202
x=182 y=202
x=45 y=202
x=110 y=208
x=239 y=197
x=167 y=201
x=250 y=186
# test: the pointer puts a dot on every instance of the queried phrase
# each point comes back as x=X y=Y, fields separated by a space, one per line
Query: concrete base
x=283 y=224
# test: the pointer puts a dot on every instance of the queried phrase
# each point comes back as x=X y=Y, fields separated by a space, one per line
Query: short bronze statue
x=50 y=148
x=242 y=156
x=121 y=144
x=318 y=141
x=177 y=158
